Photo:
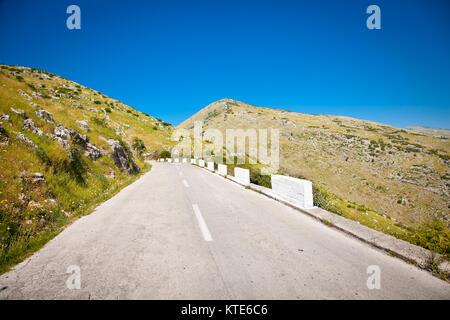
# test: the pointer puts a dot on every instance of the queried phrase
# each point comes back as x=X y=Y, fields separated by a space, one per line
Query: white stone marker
x=177 y=160
x=297 y=191
x=184 y=160
x=169 y=160
x=201 y=163
x=242 y=176
x=210 y=165
x=192 y=161
x=222 y=169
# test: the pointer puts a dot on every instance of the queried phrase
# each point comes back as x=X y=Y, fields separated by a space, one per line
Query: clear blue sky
x=172 y=58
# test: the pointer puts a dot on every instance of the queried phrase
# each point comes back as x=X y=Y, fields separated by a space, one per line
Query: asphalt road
x=181 y=232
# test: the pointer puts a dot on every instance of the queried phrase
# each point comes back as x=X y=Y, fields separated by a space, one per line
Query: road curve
x=181 y=232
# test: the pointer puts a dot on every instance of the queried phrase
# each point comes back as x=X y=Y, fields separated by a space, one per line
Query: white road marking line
x=185 y=183
x=202 y=223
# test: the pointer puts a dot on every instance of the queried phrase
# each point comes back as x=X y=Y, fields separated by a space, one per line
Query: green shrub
x=42 y=156
x=138 y=145
x=97 y=102
x=99 y=122
x=165 y=154
x=77 y=167
x=323 y=199
x=108 y=110
x=433 y=236
x=260 y=179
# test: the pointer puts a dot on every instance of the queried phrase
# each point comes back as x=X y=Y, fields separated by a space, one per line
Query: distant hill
x=63 y=149
x=432 y=132
x=370 y=167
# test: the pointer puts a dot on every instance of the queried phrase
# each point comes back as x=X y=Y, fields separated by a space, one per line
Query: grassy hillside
x=390 y=179
x=64 y=148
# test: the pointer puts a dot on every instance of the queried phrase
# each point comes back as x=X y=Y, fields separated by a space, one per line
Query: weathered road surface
x=183 y=233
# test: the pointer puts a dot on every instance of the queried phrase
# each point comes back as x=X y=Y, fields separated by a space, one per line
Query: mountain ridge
x=401 y=155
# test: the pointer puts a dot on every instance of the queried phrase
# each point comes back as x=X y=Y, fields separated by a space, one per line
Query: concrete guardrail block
x=201 y=163
x=210 y=165
x=242 y=176
x=184 y=160
x=222 y=169
x=297 y=191
x=193 y=161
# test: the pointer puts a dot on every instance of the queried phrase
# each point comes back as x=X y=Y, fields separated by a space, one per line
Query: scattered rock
x=33 y=205
x=30 y=143
x=121 y=159
x=38 y=177
x=28 y=124
x=51 y=202
x=289 y=123
x=23 y=198
x=90 y=150
x=112 y=173
x=20 y=113
x=62 y=135
x=83 y=125
x=5 y=117
x=45 y=115
x=24 y=94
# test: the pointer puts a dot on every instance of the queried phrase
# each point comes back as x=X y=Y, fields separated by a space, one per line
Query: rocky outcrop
x=152 y=155
x=83 y=125
x=45 y=115
x=5 y=117
x=89 y=149
x=27 y=141
x=20 y=113
x=62 y=135
x=121 y=158
x=38 y=177
x=24 y=94
x=28 y=124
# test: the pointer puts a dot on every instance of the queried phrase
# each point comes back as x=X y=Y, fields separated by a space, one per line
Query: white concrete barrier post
x=211 y=165
x=222 y=169
x=242 y=176
x=177 y=160
x=201 y=163
x=297 y=191
x=192 y=161
x=184 y=160
x=169 y=160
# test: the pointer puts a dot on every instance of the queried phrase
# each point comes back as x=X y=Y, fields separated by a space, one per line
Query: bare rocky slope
x=374 y=170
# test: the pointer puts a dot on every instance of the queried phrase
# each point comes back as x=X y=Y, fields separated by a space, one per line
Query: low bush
x=325 y=200
x=165 y=154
